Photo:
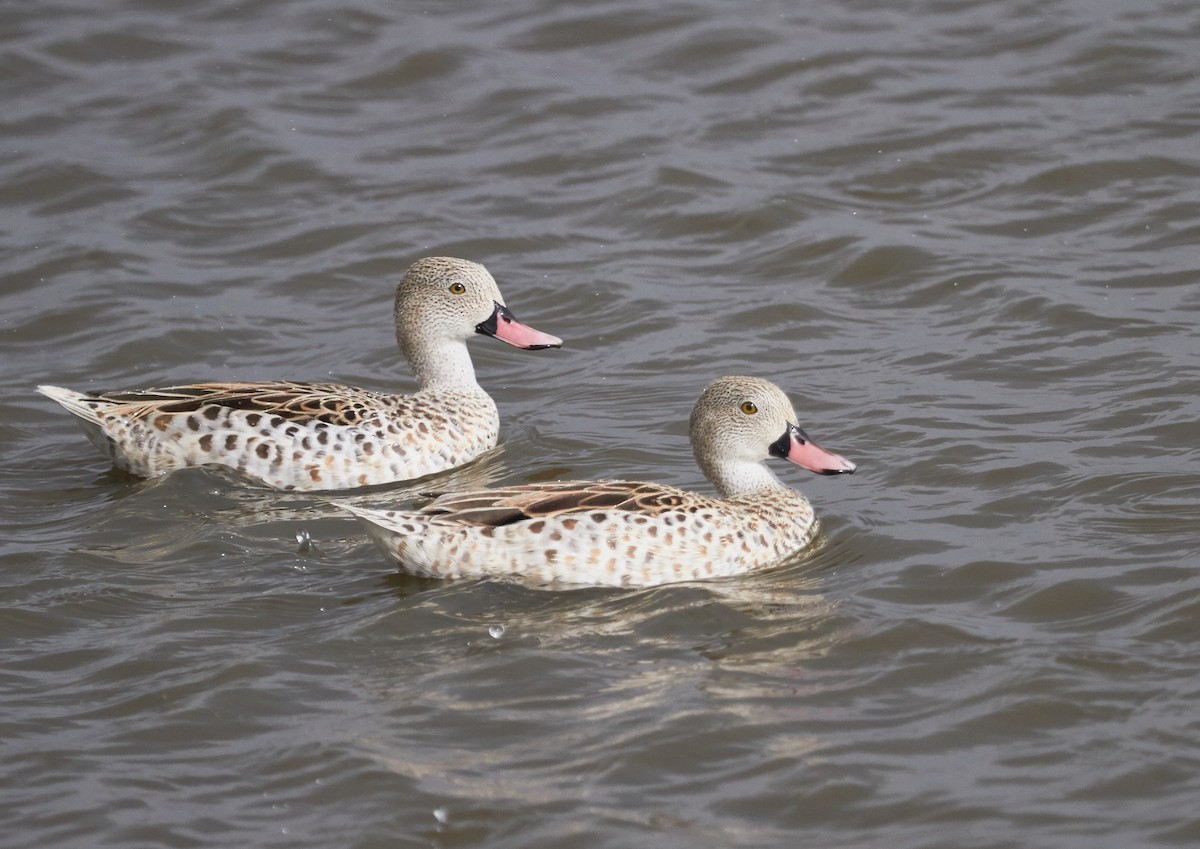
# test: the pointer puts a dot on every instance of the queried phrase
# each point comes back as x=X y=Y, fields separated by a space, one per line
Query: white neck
x=445 y=366
x=735 y=479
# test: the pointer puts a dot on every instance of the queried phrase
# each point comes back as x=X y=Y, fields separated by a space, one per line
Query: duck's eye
x=748 y=408
x=457 y=288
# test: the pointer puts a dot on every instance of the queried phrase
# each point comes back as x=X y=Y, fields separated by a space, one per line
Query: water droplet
x=441 y=815
x=497 y=631
x=304 y=542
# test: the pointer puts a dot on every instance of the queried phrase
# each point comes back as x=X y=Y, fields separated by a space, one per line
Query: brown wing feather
x=329 y=403
x=506 y=505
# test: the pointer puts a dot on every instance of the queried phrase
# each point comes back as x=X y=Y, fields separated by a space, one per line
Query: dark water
x=964 y=236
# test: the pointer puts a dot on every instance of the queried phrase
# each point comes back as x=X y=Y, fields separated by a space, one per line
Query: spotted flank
x=625 y=533
x=315 y=436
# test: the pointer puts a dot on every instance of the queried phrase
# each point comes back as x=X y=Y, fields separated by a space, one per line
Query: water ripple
x=961 y=235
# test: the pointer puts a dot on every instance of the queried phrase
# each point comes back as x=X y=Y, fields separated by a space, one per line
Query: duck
x=629 y=533
x=326 y=436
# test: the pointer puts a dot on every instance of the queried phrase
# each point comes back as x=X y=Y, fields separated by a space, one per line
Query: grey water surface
x=964 y=236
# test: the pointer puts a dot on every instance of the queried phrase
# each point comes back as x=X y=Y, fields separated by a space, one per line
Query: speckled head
x=441 y=296
x=440 y=303
x=740 y=421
